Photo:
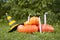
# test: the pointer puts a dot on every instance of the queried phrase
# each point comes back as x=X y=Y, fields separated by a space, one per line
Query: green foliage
x=20 y=9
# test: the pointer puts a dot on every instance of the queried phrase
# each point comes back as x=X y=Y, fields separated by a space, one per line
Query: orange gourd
x=27 y=23
x=47 y=28
x=20 y=27
x=34 y=20
x=27 y=28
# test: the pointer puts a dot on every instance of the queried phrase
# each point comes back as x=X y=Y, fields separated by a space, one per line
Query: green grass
x=4 y=35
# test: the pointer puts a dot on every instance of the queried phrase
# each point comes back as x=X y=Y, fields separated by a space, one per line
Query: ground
x=4 y=35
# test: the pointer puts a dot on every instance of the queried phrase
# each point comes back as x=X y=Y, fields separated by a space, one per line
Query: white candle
x=28 y=17
x=45 y=17
x=40 y=25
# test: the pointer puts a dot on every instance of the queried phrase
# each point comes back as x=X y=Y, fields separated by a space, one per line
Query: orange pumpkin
x=27 y=23
x=47 y=28
x=20 y=27
x=34 y=20
x=27 y=28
